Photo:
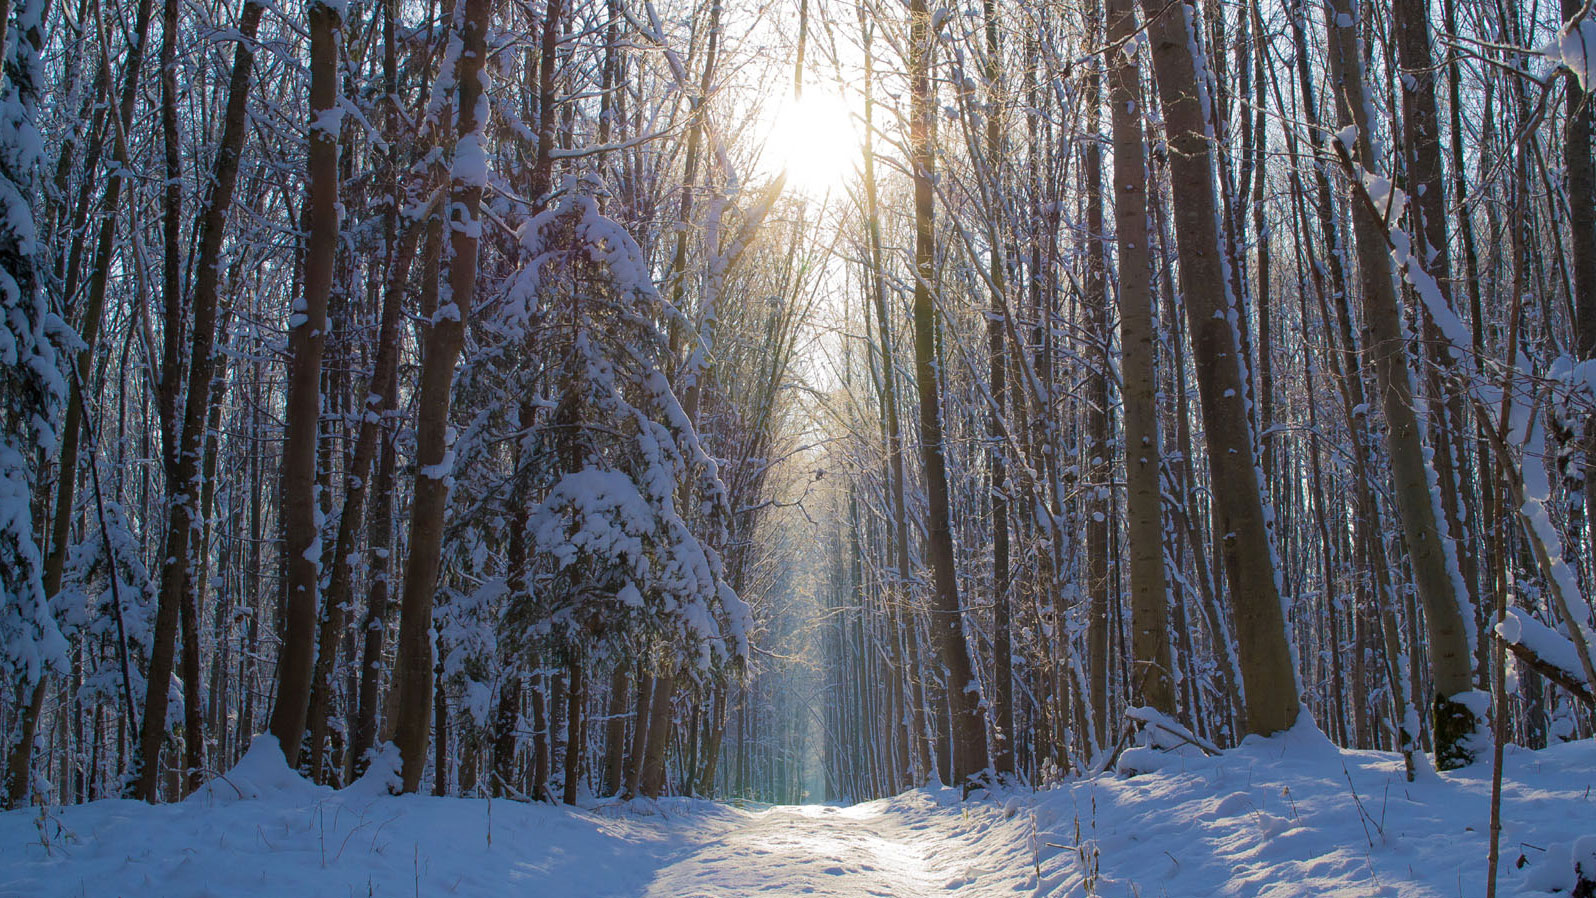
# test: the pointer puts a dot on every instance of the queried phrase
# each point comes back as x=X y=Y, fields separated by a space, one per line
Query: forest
x=593 y=401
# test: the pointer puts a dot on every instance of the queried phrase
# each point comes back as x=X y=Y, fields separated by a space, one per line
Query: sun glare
x=815 y=141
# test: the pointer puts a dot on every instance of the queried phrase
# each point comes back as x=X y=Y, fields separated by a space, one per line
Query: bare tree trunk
x=166 y=391
x=615 y=730
x=639 y=741
x=997 y=359
x=1152 y=679
x=542 y=734
x=1582 y=243
x=307 y=336
x=964 y=691
x=717 y=733
x=1268 y=672
x=382 y=561
x=1096 y=449
x=1429 y=213
x=899 y=599
x=441 y=347
x=379 y=396
x=1414 y=480
x=176 y=570
x=379 y=526
x=440 y=724
x=575 y=729
x=652 y=762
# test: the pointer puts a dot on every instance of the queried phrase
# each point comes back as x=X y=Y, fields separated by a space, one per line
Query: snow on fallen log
x=1546 y=651
x=1167 y=732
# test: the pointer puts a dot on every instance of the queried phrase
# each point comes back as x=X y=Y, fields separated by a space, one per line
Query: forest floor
x=1290 y=816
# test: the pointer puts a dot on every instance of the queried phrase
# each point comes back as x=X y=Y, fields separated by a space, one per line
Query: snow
x=30 y=639
x=1575 y=47
x=1519 y=628
x=470 y=165
x=1295 y=816
x=621 y=526
x=1388 y=199
x=1159 y=737
x=260 y=774
x=1291 y=815
x=32 y=386
x=1537 y=518
x=278 y=835
x=329 y=121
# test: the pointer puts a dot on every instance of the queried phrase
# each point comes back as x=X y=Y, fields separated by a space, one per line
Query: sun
x=816 y=142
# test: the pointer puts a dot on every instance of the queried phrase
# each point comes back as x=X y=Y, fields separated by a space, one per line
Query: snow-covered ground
x=1296 y=816
x=1290 y=816
x=285 y=837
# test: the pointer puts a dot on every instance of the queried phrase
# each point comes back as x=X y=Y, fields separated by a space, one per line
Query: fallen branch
x=1530 y=658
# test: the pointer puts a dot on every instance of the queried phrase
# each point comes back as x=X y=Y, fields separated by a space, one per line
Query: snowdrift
x=1295 y=816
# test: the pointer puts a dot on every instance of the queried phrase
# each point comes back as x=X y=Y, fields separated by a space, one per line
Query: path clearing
x=907 y=847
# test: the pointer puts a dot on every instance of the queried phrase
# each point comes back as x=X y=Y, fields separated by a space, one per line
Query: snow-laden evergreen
x=625 y=533
x=32 y=387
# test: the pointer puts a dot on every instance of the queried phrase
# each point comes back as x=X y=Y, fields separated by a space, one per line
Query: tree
x=616 y=550
x=1448 y=614
x=31 y=393
x=1268 y=669
x=1152 y=679
x=184 y=512
x=970 y=760
x=302 y=409
x=441 y=343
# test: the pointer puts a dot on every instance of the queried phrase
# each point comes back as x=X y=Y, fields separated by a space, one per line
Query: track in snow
x=809 y=850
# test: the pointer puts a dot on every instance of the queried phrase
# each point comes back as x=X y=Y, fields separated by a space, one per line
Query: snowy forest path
x=906 y=847
x=804 y=850
x=264 y=832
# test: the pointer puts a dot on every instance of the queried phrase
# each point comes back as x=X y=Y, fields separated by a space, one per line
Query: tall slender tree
x=441 y=344
x=1448 y=616
x=1152 y=676
x=968 y=716
x=307 y=339
x=1268 y=668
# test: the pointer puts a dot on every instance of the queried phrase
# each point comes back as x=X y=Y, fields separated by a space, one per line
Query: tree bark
x=615 y=731
x=969 y=736
x=639 y=740
x=1582 y=245
x=900 y=597
x=997 y=365
x=379 y=396
x=653 y=779
x=307 y=336
x=1096 y=439
x=176 y=570
x=575 y=729
x=1430 y=553
x=441 y=345
x=1268 y=672
x=1152 y=679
